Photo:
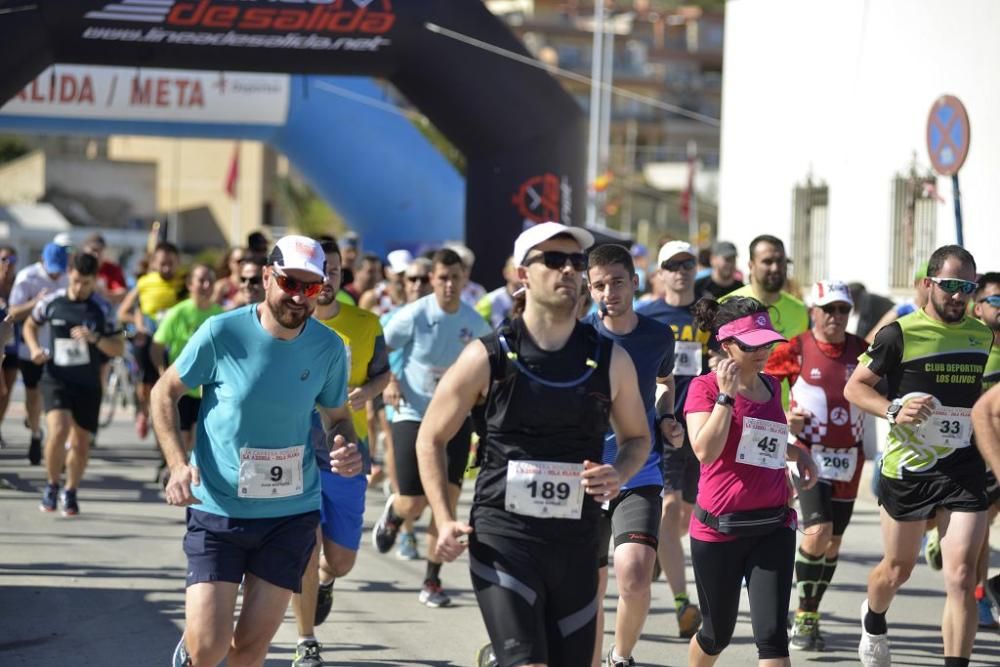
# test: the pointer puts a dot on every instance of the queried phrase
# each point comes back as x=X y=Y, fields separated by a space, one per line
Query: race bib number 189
x=544 y=489
x=270 y=473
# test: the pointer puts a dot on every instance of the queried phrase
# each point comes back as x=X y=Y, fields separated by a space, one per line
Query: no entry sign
x=948 y=135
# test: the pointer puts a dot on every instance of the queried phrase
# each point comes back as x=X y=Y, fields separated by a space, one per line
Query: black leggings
x=767 y=562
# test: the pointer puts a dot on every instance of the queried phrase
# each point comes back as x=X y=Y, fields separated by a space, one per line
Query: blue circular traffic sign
x=948 y=135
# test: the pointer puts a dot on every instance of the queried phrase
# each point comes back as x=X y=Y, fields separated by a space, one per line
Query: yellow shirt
x=789 y=316
x=157 y=295
x=362 y=335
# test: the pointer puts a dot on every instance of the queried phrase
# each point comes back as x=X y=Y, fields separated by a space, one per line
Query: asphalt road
x=106 y=588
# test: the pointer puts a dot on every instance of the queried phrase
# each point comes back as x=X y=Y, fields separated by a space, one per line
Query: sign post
x=948 y=136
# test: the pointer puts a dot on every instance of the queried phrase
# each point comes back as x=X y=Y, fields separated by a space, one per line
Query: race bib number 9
x=949 y=427
x=544 y=489
x=70 y=352
x=762 y=443
x=687 y=358
x=270 y=473
x=837 y=465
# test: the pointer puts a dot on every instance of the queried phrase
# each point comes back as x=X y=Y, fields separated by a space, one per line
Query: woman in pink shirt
x=742 y=526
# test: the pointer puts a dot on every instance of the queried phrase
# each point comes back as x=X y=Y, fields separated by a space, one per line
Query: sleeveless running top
x=835 y=422
x=541 y=406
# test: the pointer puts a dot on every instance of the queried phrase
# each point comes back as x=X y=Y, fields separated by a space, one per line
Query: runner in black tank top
x=551 y=388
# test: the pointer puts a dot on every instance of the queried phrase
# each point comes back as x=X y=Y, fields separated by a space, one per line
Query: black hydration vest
x=542 y=406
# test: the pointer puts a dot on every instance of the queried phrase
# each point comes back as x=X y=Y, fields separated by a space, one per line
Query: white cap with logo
x=671 y=249
x=298 y=252
x=830 y=291
x=399 y=260
x=542 y=232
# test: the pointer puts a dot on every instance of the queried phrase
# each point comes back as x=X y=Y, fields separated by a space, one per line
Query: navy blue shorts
x=343 y=510
x=221 y=548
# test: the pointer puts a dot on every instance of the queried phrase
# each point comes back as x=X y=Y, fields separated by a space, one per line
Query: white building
x=825 y=105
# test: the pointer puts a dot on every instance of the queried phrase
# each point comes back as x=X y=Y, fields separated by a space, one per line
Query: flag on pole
x=233 y=174
x=688 y=192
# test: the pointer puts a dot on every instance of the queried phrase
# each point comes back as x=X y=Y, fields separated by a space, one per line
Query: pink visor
x=752 y=330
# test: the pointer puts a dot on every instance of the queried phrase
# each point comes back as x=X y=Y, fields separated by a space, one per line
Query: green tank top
x=920 y=354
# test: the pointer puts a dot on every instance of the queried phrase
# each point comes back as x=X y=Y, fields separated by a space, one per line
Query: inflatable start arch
x=521 y=133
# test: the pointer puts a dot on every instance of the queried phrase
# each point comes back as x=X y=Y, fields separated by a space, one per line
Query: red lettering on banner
x=61 y=89
x=220 y=17
x=167 y=93
x=334 y=17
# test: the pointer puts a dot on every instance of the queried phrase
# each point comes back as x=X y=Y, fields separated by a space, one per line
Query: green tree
x=12 y=147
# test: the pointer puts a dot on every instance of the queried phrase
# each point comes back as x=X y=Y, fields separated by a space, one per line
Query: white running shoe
x=873 y=650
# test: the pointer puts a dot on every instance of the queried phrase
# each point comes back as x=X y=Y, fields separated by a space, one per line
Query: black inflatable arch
x=522 y=134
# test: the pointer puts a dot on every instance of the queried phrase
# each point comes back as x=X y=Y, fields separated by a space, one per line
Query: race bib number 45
x=544 y=489
x=762 y=443
x=270 y=473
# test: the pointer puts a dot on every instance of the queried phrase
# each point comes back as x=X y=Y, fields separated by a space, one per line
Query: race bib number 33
x=544 y=489
x=270 y=473
x=950 y=427
x=762 y=443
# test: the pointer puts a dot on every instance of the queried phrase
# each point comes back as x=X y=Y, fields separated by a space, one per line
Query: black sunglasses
x=993 y=300
x=749 y=349
x=418 y=279
x=955 y=285
x=255 y=280
x=681 y=264
x=831 y=309
x=556 y=259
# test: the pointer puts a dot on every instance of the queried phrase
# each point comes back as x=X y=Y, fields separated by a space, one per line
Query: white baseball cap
x=299 y=252
x=830 y=291
x=671 y=249
x=542 y=232
x=399 y=260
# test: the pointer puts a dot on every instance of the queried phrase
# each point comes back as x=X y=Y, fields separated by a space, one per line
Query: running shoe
x=688 y=620
x=485 y=657
x=805 y=632
x=986 y=618
x=624 y=662
x=307 y=654
x=386 y=528
x=432 y=595
x=324 y=602
x=68 y=501
x=35 y=449
x=932 y=549
x=993 y=590
x=407 y=549
x=873 y=650
x=49 y=497
x=181 y=657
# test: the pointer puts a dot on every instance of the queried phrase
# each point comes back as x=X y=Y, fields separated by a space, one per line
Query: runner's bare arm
x=127 y=304
x=671 y=429
x=459 y=390
x=166 y=424
x=628 y=417
x=30 y=332
x=345 y=458
x=708 y=431
x=860 y=390
x=986 y=423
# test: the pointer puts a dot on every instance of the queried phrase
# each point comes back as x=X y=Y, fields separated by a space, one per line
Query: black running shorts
x=83 y=403
x=634 y=516
x=404 y=452
x=538 y=600
x=918 y=499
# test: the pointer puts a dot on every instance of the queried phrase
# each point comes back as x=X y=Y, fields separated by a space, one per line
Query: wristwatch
x=725 y=399
x=892 y=411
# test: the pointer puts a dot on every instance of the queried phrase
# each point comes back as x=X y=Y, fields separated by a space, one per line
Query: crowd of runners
x=608 y=406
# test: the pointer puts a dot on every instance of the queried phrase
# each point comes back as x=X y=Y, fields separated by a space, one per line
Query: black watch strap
x=725 y=399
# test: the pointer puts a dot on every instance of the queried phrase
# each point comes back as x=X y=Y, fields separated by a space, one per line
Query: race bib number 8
x=687 y=358
x=544 y=489
x=835 y=464
x=70 y=352
x=270 y=473
x=949 y=427
x=762 y=443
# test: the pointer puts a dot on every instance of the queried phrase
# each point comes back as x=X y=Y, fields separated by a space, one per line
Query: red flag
x=688 y=191
x=233 y=175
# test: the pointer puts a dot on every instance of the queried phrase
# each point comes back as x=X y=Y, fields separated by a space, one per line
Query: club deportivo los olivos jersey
x=919 y=354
